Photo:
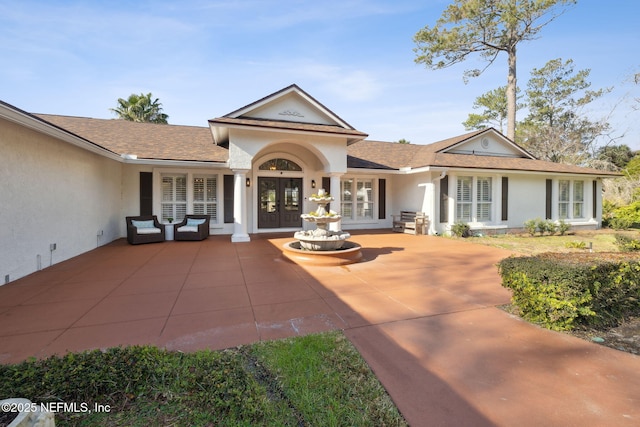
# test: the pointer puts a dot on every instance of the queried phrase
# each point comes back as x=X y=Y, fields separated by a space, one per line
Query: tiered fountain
x=322 y=246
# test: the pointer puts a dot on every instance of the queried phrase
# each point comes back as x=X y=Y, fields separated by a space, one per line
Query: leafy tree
x=615 y=155
x=632 y=168
x=556 y=128
x=140 y=108
x=494 y=114
x=404 y=141
x=486 y=27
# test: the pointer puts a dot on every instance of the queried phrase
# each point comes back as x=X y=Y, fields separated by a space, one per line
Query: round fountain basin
x=321 y=245
x=321 y=240
x=349 y=253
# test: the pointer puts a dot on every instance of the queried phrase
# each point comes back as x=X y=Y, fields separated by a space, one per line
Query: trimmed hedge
x=560 y=291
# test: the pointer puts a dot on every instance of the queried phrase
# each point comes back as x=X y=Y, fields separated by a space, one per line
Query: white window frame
x=173 y=204
x=564 y=198
x=570 y=199
x=208 y=205
x=578 y=199
x=190 y=176
x=484 y=199
x=354 y=207
x=473 y=199
x=464 y=202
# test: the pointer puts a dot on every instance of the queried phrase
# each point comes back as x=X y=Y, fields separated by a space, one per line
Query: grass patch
x=601 y=241
x=313 y=380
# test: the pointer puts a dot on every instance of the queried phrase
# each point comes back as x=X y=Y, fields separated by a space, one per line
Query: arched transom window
x=280 y=165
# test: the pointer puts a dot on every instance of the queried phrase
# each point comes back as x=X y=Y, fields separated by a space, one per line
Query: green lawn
x=313 y=380
x=600 y=240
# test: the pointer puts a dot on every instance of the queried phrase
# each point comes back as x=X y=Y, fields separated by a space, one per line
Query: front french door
x=280 y=202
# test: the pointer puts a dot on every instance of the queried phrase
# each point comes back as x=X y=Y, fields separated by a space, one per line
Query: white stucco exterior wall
x=411 y=192
x=52 y=193
x=526 y=199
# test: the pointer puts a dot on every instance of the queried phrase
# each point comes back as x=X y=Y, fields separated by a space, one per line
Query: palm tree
x=140 y=108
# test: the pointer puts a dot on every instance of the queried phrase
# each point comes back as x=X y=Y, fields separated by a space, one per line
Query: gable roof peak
x=291 y=116
x=290 y=109
x=450 y=144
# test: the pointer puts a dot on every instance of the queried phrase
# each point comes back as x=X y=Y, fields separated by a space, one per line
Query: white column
x=335 y=204
x=240 y=214
x=452 y=200
x=496 y=200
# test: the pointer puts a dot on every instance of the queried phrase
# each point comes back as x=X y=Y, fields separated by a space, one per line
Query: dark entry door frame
x=280 y=202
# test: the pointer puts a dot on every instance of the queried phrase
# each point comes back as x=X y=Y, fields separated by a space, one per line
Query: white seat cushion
x=152 y=230
x=188 y=229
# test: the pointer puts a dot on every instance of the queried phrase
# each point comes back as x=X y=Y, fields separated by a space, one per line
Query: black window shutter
x=444 y=199
x=382 y=198
x=505 y=198
x=326 y=184
x=548 y=199
x=228 y=198
x=146 y=193
x=594 y=197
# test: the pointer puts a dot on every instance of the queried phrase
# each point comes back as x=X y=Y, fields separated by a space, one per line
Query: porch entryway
x=280 y=202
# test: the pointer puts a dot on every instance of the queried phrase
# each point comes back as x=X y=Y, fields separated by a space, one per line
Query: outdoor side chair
x=144 y=229
x=192 y=227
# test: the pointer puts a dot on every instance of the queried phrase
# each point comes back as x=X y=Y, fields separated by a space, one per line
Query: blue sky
x=204 y=59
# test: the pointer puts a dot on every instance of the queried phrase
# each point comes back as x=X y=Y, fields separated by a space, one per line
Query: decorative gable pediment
x=291 y=104
x=292 y=108
x=289 y=110
x=488 y=143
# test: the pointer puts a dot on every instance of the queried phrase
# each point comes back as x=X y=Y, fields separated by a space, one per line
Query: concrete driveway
x=420 y=309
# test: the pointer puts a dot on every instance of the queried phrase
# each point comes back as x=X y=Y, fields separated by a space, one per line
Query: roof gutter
x=133 y=159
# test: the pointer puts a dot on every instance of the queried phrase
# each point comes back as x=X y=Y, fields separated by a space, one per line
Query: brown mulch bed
x=625 y=337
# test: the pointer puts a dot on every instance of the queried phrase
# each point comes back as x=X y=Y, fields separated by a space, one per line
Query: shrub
x=576 y=244
x=619 y=223
x=625 y=216
x=461 y=229
x=626 y=243
x=531 y=225
x=563 y=227
x=211 y=382
x=547 y=226
x=559 y=291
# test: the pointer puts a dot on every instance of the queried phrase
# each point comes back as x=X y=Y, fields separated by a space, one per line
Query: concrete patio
x=421 y=310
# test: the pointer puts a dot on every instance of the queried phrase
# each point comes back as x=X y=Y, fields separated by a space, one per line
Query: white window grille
x=483 y=198
x=360 y=207
x=578 y=199
x=174 y=197
x=564 y=198
x=346 y=198
x=364 y=196
x=205 y=196
x=464 y=198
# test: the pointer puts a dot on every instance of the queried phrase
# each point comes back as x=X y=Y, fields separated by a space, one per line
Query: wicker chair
x=192 y=227
x=148 y=229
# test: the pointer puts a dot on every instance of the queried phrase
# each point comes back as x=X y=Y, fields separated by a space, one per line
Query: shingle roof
x=145 y=140
x=397 y=156
x=193 y=143
x=281 y=124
